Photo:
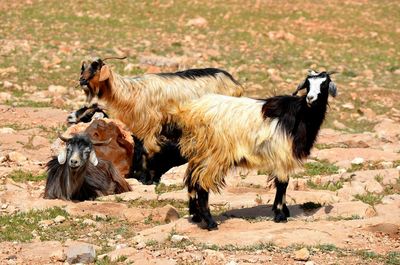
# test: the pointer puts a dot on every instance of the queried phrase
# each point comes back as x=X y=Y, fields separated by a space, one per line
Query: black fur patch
x=297 y=119
x=201 y=72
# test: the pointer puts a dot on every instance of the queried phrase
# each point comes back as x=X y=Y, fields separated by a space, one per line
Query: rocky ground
x=345 y=204
x=345 y=207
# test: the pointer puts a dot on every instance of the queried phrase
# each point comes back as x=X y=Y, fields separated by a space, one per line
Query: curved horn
x=64 y=139
x=331 y=72
x=113 y=57
x=106 y=142
x=299 y=87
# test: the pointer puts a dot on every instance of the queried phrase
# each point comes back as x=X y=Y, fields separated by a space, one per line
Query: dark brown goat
x=77 y=174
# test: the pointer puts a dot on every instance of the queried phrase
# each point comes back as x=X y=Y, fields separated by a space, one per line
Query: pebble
x=302 y=254
x=178 y=238
x=89 y=222
x=358 y=161
x=59 y=219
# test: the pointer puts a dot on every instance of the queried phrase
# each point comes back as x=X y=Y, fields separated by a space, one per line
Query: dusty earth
x=331 y=214
x=345 y=204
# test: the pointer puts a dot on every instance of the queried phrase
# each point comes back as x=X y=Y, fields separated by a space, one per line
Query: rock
x=348 y=105
x=58 y=102
x=7 y=130
x=213 y=257
x=57 y=89
x=166 y=214
x=16 y=157
x=373 y=186
x=4 y=96
x=232 y=262
x=309 y=263
x=59 y=219
x=339 y=125
x=357 y=161
x=302 y=254
x=197 y=22
x=141 y=245
x=46 y=223
x=81 y=253
x=387 y=164
x=178 y=238
x=89 y=222
x=7 y=84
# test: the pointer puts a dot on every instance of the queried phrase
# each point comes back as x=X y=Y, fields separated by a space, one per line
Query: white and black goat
x=86 y=114
x=276 y=134
x=77 y=174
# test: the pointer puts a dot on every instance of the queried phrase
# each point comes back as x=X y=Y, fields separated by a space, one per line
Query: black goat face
x=86 y=114
x=78 y=152
x=317 y=84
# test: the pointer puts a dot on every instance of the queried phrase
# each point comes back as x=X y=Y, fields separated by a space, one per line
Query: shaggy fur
x=276 y=134
x=141 y=102
x=86 y=181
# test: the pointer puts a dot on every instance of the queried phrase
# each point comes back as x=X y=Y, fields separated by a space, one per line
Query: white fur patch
x=62 y=157
x=93 y=158
x=315 y=88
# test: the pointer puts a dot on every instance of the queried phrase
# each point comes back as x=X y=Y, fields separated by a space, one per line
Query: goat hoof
x=196 y=218
x=280 y=218
x=285 y=210
x=212 y=226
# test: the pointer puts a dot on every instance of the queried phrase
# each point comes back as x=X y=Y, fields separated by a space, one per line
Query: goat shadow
x=265 y=213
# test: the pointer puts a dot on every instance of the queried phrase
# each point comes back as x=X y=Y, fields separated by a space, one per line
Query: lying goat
x=276 y=134
x=140 y=102
x=86 y=114
x=77 y=174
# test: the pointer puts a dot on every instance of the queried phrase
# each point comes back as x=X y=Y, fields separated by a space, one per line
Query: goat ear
x=93 y=158
x=299 y=87
x=62 y=157
x=332 y=89
x=104 y=73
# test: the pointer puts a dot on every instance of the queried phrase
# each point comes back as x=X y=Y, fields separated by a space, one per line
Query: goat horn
x=332 y=72
x=118 y=58
x=64 y=139
x=106 y=142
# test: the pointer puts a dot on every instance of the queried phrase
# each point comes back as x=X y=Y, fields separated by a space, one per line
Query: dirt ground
x=345 y=203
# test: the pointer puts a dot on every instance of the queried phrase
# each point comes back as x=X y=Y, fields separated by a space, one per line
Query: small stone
x=178 y=238
x=4 y=96
x=59 y=219
x=81 y=253
x=7 y=84
x=197 y=22
x=348 y=105
x=302 y=254
x=387 y=164
x=58 y=102
x=4 y=206
x=141 y=245
x=16 y=157
x=342 y=171
x=309 y=262
x=339 y=125
x=7 y=130
x=89 y=222
x=45 y=223
x=357 y=161
x=232 y=262
x=57 y=89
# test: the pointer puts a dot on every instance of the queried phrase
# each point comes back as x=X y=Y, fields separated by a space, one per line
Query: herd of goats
x=197 y=116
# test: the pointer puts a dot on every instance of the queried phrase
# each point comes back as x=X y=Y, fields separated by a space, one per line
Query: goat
x=77 y=174
x=86 y=114
x=139 y=101
x=221 y=132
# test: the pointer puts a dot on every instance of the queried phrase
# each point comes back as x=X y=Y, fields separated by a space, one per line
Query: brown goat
x=141 y=102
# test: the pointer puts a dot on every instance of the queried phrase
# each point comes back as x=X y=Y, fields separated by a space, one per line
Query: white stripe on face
x=315 y=88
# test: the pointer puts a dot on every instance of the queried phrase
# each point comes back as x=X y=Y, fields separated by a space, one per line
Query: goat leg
x=280 y=209
x=204 y=210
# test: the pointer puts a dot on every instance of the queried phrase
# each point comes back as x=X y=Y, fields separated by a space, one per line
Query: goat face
x=92 y=73
x=86 y=114
x=78 y=151
x=317 y=85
